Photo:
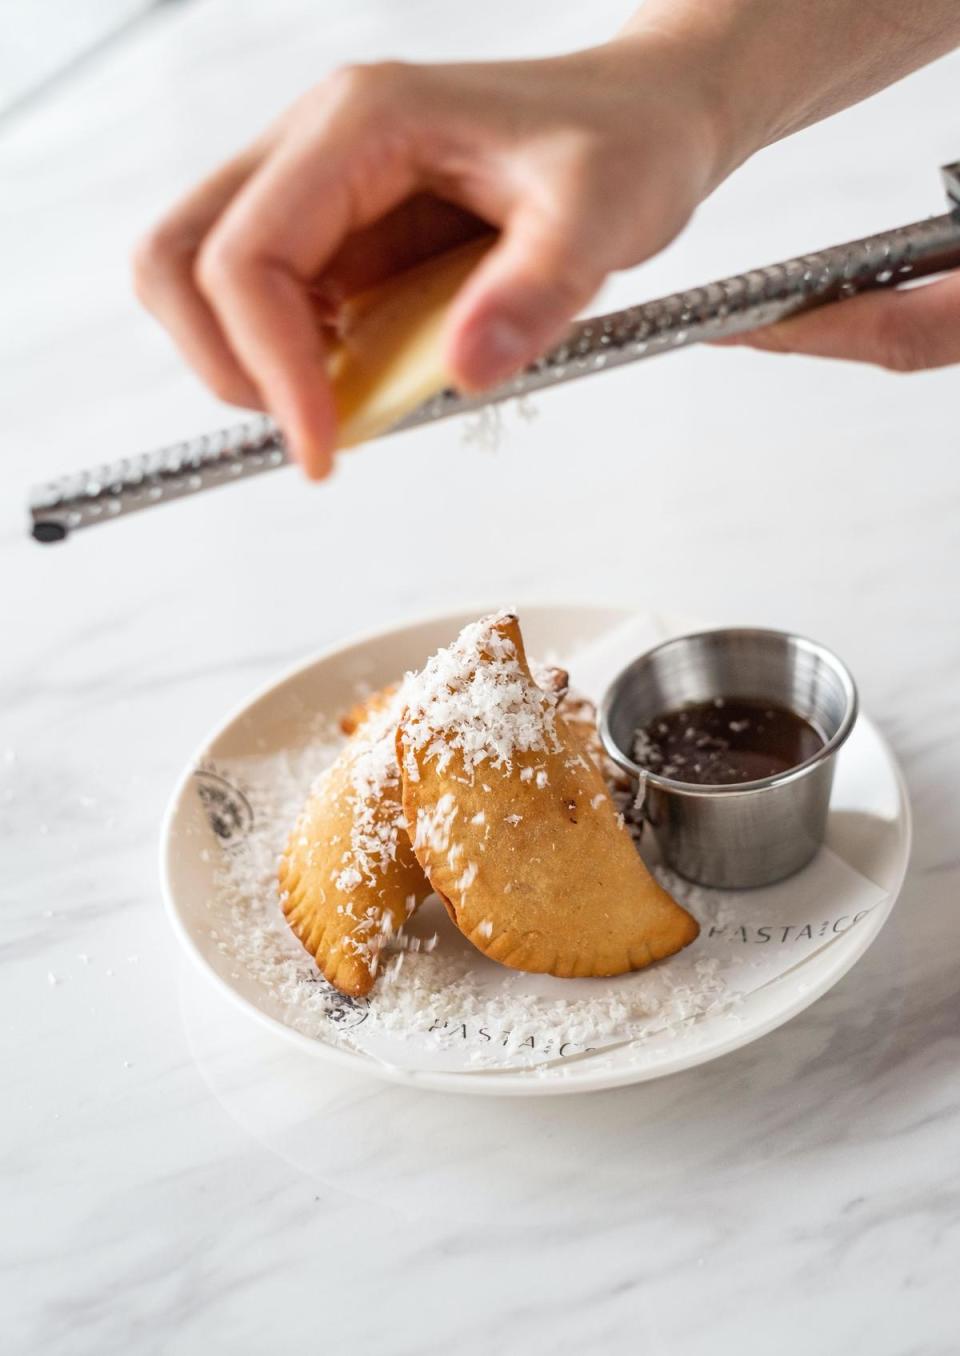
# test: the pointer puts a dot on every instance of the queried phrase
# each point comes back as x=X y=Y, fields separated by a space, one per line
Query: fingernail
x=493 y=352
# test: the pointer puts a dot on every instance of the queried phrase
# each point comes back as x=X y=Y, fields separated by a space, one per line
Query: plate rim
x=509 y=1082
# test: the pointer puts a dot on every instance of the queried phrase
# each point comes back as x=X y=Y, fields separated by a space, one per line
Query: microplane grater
x=730 y=306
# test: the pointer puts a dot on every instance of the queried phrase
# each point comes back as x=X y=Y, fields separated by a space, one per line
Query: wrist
x=705 y=49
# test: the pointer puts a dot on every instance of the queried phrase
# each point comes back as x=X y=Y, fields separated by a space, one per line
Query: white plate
x=869 y=828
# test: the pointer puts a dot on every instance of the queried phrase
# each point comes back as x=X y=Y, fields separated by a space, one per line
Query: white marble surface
x=173 y=1182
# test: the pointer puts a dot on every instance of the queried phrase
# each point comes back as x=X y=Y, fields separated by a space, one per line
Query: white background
x=172 y=1183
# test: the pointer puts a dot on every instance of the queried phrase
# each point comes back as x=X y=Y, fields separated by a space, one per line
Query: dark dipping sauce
x=726 y=741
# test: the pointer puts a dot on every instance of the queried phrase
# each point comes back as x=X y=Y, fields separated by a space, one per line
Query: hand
x=585 y=164
x=904 y=331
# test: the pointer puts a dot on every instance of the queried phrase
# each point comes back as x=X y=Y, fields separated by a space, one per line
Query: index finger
x=344 y=171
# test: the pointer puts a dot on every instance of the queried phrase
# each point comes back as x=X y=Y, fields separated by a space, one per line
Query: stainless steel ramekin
x=753 y=833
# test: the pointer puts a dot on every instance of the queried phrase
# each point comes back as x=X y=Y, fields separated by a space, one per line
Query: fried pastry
x=580 y=716
x=349 y=878
x=365 y=707
x=513 y=824
x=547 y=676
x=551 y=679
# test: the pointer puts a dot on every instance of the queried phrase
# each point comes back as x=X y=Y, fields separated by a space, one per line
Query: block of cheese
x=388 y=356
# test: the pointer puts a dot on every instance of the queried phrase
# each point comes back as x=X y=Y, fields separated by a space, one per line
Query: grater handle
x=719 y=309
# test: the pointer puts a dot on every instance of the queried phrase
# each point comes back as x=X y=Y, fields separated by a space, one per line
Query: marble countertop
x=174 y=1181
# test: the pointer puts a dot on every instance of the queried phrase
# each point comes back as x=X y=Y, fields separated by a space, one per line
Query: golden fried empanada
x=580 y=716
x=513 y=824
x=365 y=707
x=349 y=878
x=546 y=676
x=551 y=679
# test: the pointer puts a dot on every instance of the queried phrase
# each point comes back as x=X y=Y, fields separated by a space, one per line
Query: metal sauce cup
x=751 y=833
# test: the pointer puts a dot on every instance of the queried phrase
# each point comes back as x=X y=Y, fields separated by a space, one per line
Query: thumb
x=904 y=331
x=523 y=296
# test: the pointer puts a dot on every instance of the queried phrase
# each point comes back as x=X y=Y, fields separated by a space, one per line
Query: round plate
x=869 y=829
